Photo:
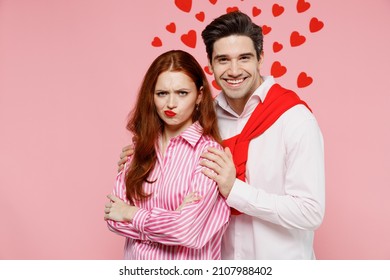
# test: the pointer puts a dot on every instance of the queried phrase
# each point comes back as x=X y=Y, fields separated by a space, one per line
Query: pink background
x=69 y=70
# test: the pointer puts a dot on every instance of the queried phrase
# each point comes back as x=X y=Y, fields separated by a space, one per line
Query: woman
x=163 y=204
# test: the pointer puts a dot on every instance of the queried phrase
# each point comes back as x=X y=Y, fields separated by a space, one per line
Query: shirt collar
x=263 y=89
x=192 y=134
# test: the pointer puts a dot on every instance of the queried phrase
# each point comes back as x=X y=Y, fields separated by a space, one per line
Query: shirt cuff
x=140 y=219
x=247 y=199
x=238 y=195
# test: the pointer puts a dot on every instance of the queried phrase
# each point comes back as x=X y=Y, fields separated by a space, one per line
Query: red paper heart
x=296 y=39
x=277 y=69
x=256 y=11
x=184 y=5
x=266 y=29
x=277 y=10
x=213 y=1
x=315 y=25
x=171 y=27
x=231 y=9
x=207 y=70
x=200 y=16
x=302 y=6
x=156 y=42
x=277 y=47
x=189 y=39
x=304 y=80
x=215 y=85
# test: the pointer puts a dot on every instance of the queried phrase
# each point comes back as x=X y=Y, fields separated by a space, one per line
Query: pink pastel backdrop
x=69 y=71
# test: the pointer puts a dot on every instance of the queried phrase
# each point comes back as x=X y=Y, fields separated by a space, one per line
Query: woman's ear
x=200 y=95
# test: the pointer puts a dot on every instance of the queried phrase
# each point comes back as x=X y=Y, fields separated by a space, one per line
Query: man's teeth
x=235 y=81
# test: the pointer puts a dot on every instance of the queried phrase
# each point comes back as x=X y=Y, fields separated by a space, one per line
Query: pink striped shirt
x=158 y=231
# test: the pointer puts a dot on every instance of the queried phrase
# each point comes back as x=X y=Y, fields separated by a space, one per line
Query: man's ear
x=210 y=68
x=260 y=60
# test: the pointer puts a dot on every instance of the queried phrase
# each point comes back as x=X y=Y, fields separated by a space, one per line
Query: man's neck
x=238 y=105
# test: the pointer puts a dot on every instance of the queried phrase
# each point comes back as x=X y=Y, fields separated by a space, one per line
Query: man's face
x=236 y=69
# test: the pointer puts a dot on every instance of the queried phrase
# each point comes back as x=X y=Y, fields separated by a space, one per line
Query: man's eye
x=222 y=60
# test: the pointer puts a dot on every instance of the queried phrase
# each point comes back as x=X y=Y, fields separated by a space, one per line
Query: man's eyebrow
x=220 y=56
x=247 y=54
x=240 y=55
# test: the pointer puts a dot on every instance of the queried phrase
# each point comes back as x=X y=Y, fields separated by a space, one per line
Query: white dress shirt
x=283 y=198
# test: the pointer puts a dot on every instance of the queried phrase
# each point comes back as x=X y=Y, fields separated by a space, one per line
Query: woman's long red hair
x=145 y=124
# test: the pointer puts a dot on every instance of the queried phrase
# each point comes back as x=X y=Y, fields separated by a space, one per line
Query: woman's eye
x=161 y=93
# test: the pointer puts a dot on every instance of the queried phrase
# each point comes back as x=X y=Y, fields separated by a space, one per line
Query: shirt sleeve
x=191 y=227
x=302 y=205
x=123 y=228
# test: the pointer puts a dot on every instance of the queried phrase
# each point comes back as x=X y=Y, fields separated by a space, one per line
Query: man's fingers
x=228 y=153
x=214 y=150
x=216 y=155
x=124 y=155
x=210 y=157
x=122 y=161
x=126 y=152
x=112 y=197
x=212 y=175
x=128 y=147
x=120 y=167
x=212 y=165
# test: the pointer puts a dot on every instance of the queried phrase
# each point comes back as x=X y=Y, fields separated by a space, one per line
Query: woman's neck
x=164 y=142
x=168 y=134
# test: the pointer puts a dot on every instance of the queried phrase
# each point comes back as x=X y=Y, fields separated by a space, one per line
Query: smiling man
x=272 y=173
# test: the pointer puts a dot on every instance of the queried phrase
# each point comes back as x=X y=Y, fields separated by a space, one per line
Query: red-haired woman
x=162 y=203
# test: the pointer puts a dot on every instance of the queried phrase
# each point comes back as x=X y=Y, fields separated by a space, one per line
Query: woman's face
x=175 y=97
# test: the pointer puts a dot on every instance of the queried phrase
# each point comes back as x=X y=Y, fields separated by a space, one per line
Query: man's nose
x=234 y=68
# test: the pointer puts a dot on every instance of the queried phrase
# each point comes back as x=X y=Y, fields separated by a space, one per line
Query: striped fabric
x=158 y=231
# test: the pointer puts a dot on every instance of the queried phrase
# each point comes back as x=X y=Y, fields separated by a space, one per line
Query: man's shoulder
x=298 y=120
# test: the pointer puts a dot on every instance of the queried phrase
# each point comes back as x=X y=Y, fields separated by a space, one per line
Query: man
x=278 y=197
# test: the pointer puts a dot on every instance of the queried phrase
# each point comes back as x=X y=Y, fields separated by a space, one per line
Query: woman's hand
x=190 y=198
x=118 y=210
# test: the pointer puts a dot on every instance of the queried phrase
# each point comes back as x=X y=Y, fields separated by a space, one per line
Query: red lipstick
x=169 y=113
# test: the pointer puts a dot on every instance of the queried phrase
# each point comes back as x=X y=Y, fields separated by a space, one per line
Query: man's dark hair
x=234 y=23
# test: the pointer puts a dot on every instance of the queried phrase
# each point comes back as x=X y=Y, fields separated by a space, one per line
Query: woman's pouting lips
x=170 y=113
